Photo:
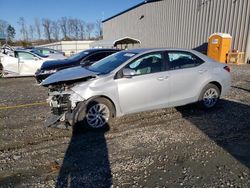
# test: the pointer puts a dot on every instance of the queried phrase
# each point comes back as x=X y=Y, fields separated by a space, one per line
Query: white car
x=20 y=63
x=53 y=54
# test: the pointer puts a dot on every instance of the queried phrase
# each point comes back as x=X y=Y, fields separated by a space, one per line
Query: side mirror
x=128 y=73
x=36 y=58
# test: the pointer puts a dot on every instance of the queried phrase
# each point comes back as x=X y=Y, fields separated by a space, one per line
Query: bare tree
x=89 y=29
x=3 y=27
x=73 y=25
x=82 y=29
x=31 y=32
x=99 y=30
x=64 y=27
x=23 y=28
x=70 y=27
x=38 y=28
x=55 y=30
x=47 y=25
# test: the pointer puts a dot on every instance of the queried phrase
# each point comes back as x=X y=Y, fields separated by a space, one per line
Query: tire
x=96 y=114
x=1 y=71
x=209 y=97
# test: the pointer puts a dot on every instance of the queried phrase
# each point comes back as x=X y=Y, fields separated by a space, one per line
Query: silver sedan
x=133 y=81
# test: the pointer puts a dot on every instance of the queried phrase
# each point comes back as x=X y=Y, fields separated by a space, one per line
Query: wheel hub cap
x=98 y=115
x=210 y=97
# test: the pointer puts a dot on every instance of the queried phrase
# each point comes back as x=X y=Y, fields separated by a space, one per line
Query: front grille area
x=60 y=104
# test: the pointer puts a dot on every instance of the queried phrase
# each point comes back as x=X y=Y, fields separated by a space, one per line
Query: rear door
x=28 y=63
x=149 y=88
x=186 y=75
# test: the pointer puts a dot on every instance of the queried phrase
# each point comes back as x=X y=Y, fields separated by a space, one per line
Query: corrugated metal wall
x=183 y=23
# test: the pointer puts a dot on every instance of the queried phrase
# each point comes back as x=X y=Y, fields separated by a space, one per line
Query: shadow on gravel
x=241 y=88
x=228 y=125
x=86 y=162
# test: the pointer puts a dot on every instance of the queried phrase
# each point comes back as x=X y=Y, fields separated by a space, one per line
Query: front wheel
x=209 y=97
x=96 y=114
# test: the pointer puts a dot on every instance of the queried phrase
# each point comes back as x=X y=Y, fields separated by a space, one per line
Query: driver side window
x=147 y=64
x=25 y=56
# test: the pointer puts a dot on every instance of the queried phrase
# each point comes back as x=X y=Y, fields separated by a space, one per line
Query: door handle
x=202 y=71
x=162 y=78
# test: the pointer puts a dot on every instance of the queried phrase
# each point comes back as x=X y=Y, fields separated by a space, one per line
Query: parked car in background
x=134 y=81
x=84 y=58
x=51 y=53
x=20 y=62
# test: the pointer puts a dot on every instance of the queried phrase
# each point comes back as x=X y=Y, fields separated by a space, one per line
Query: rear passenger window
x=182 y=60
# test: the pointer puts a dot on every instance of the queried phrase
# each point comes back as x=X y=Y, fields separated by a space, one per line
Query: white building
x=69 y=47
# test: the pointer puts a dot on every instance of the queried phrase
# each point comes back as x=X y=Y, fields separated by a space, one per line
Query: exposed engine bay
x=62 y=97
x=63 y=102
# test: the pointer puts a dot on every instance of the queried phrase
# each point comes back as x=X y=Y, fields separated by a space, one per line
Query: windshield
x=111 y=62
x=38 y=53
x=78 y=56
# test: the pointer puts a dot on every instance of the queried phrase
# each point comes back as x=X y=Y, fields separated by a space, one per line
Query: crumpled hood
x=70 y=74
x=53 y=64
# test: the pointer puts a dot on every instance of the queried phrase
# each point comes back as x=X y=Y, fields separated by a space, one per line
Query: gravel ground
x=175 y=147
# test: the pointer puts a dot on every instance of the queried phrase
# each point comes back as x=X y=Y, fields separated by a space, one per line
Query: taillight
x=227 y=68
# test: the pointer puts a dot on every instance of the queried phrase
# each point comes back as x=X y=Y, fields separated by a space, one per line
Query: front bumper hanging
x=62 y=114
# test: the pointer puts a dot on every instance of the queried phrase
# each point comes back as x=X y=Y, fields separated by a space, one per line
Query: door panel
x=10 y=65
x=187 y=72
x=145 y=92
x=184 y=84
x=28 y=63
x=29 y=67
x=148 y=89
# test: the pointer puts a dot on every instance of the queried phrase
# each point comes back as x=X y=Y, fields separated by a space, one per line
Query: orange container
x=219 y=44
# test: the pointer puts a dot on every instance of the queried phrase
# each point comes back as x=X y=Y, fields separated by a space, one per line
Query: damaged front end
x=63 y=102
x=60 y=105
x=62 y=99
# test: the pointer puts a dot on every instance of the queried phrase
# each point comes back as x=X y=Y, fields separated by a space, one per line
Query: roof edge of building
x=131 y=8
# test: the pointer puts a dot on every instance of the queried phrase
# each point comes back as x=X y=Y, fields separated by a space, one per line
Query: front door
x=148 y=89
x=28 y=63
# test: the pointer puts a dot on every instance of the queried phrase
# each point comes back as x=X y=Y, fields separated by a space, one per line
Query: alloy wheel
x=210 y=97
x=98 y=115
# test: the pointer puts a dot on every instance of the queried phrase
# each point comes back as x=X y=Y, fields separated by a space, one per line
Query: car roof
x=101 y=49
x=44 y=48
x=23 y=50
x=142 y=50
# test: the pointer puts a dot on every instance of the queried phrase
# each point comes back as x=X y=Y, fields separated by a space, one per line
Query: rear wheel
x=209 y=96
x=1 y=70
